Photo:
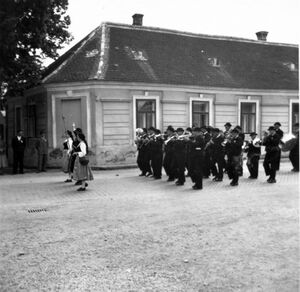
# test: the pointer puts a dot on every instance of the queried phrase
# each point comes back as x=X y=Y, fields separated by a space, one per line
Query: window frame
x=292 y=101
x=157 y=110
x=257 y=113
x=210 y=109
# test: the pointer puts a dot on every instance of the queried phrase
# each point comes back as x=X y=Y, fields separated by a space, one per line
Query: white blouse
x=70 y=144
x=82 y=147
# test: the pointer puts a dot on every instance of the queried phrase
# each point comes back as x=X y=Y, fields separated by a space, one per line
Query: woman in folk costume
x=68 y=143
x=82 y=171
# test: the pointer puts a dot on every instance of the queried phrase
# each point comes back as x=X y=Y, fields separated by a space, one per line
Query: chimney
x=262 y=35
x=137 y=19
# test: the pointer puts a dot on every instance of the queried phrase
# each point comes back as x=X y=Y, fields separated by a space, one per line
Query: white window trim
x=157 y=110
x=71 y=95
x=211 y=108
x=257 y=112
x=290 y=113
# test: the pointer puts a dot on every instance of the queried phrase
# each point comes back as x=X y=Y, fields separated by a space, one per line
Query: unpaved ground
x=129 y=233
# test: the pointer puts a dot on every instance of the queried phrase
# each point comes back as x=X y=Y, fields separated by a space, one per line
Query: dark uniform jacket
x=234 y=146
x=252 y=150
x=271 y=143
x=217 y=149
x=196 y=146
x=18 y=146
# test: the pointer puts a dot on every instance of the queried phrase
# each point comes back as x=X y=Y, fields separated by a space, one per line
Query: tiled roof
x=141 y=54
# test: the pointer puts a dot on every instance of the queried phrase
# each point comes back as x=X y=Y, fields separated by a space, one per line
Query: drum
x=289 y=145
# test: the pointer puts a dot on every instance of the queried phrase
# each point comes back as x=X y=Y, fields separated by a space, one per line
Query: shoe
x=269 y=179
x=215 y=178
x=81 y=189
x=197 y=187
x=148 y=174
x=68 y=180
x=142 y=174
x=218 y=179
x=295 y=170
x=170 y=179
x=78 y=183
x=178 y=183
x=272 y=181
x=233 y=184
x=86 y=184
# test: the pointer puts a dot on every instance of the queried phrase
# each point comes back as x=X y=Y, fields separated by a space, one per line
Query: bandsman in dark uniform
x=271 y=141
x=234 y=150
x=242 y=136
x=169 y=154
x=196 y=146
x=217 y=154
x=253 y=154
x=156 y=150
x=140 y=144
x=280 y=133
x=180 y=156
x=207 y=156
x=294 y=152
x=227 y=136
x=148 y=154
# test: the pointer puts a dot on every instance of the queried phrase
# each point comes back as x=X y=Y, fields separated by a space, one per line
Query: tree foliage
x=30 y=31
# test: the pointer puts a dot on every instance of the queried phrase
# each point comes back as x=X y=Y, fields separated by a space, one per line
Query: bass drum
x=289 y=145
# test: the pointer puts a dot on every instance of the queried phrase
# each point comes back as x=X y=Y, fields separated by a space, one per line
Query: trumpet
x=184 y=136
x=173 y=137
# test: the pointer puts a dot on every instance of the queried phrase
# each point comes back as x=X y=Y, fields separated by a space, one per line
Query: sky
x=237 y=18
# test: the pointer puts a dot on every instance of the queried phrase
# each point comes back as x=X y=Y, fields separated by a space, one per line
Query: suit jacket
x=42 y=146
x=18 y=146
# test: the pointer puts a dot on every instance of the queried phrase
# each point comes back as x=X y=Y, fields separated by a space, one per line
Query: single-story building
x=122 y=77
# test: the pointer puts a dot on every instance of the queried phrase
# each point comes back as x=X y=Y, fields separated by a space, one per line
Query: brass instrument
x=173 y=137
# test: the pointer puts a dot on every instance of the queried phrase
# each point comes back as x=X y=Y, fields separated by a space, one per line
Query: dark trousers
x=252 y=164
x=156 y=163
x=278 y=160
x=233 y=168
x=197 y=170
x=207 y=164
x=271 y=163
x=42 y=161
x=141 y=161
x=294 y=158
x=218 y=166
x=18 y=162
x=147 y=161
x=169 y=165
x=180 y=164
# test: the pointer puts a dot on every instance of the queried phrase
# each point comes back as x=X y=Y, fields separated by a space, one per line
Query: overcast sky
x=238 y=18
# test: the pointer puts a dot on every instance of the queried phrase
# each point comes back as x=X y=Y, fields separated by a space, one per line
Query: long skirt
x=82 y=172
x=65 y=162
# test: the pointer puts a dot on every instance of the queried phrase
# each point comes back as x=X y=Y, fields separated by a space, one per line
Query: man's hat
x=253 y=133
x=179 y=130
x=189 y=129
x=152 y=129
x=271 y=128
x=217 y=130
x=235 y=131
x=171 y=129
x=227 y=124
x=277 y=124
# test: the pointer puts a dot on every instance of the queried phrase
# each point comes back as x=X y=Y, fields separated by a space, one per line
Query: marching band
x=207 y=151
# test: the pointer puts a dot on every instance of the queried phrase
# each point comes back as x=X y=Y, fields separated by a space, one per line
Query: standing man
x=42 y=149
x=18 y=145
x=280 y=133
x=271 y=142
x=156 y=151
x=207 y=156
x=234 y=150
x=294 y=153
x=197 y=158
x=253 y=155
x=180 y=157
x=169 y=161
x=217 y=154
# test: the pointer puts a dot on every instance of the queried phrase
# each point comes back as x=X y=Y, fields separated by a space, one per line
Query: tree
x=30 y=31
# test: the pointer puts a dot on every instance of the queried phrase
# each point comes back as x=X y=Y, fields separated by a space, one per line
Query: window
x=200 y=113
x=248 y=117
x=31 y=120
x=145 y=113
x=18 y=119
